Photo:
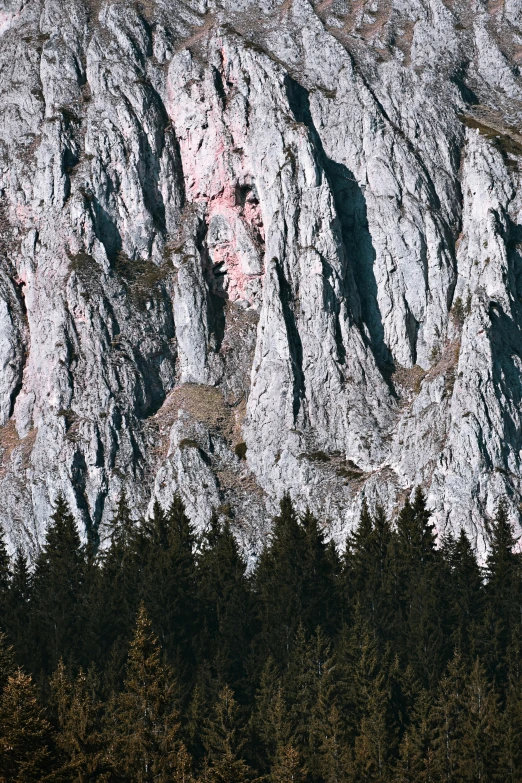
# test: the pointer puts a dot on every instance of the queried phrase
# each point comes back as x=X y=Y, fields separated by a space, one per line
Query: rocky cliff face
x=291 y=225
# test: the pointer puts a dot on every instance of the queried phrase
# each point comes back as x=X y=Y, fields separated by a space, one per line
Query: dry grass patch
x=10 y=442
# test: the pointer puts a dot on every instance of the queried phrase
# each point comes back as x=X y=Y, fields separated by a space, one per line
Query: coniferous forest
x=159 y=658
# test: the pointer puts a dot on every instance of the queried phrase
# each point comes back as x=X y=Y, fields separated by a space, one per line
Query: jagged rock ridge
x=289 y=225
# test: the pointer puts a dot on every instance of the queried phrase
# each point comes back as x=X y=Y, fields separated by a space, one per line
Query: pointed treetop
x=122 y=525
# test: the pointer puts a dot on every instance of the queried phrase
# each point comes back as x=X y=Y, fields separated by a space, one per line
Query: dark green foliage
x=226 y=605
x=4 y=580
x=25 y=733
x=168 y=582
x=503 y=618
x=142 y=724
x=59 y=588
x=400 y=663
x=295 y=581
x=224 y=743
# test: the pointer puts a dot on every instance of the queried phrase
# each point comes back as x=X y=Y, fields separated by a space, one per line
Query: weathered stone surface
x=290 y=225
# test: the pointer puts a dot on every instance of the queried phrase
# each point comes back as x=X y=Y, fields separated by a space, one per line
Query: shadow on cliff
x=294 y=341
x=350 y=205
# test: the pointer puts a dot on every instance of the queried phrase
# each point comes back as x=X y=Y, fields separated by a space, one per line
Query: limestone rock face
x=249 y=247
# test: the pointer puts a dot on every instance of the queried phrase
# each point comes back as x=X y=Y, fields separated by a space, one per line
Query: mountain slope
x=286 y=225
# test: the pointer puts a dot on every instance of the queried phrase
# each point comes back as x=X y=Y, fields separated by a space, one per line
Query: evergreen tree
x=503 y=612
x=416 y=762
x=421 y=579
x=142 y=728
x=368 y=573
x=309 y=689
x=466 y=597
x=25 y=734
x=227 y=605
x=371 y=708
x=224 y=743
x=448 y=718
x=7 y=662
x=478 y=751
x=168 y=583
x=5 y=578
x=58 y=606
x=287 y=766
x=280 y=581
x=321 y=570
x=510 y=736
x=334 y=760
x=79 y=739
x=269 y=723
x=114 y=597
x=122 y=527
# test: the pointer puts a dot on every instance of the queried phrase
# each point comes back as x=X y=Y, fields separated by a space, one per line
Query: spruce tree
x=368 y=574
x=142 y=729
x=287 y=767
x=416 y=755
x=466 y=597
x=503 y=613
x=510 y=736
x=478 y=750
x=58 y=606
x=79 y=739
x=5 y=578
x=25 y=733
x=448 y=718
x=310 y=694
x=7 y=661
x=226 y=604
x=168 y=583
x=280 y=581
x=224 y=743
x=370 y=709
x=321 y=572
x=270 y=725
x=421 y=580
x=115 y=597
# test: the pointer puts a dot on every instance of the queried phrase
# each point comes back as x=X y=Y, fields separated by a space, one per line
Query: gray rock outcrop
x=249 y=247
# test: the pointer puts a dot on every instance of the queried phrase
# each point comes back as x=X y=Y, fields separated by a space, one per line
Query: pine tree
x=168 y=583
x=79 y=738
x=7 y=662
x=448 y=718
x=421 y=580
x=58 y=607
x=375 y=732
x=25 y=734
x=321 y=570
x=269 y=723
x=143 y=727
x=287 y=767
x=466 y=598
x=478 y=751
x=280 y=580
x=5 y=578
x=416 y=762
x=115 y=597
x=224 y=743
x=227 y=605
x=503 y=614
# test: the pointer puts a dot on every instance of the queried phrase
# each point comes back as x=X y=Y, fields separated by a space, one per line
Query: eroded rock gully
x=291 y=225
